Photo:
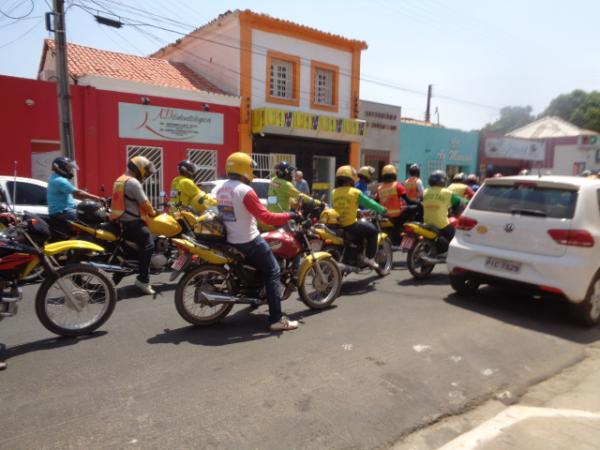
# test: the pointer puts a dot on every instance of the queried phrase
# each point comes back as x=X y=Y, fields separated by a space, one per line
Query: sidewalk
x=560 y=413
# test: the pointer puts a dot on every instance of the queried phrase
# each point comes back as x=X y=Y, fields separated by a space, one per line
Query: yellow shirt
x=459 y=189
x=183 y=190
x=436 y=203
x=345 y=202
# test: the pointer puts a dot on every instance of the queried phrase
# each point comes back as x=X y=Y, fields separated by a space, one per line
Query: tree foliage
x=578 y=107
x=511 y=118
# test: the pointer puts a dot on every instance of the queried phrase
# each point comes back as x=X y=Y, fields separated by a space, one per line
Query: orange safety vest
x=412 y=190
x=388 y=198
x=117 y=204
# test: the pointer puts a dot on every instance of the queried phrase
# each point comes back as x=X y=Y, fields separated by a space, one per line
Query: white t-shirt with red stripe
x=239 y=207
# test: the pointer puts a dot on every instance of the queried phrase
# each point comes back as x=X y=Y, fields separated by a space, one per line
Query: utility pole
x=428 y=110
x=62 y=74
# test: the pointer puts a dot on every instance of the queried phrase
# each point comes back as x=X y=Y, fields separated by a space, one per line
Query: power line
x=32 y=6
x=21 y=35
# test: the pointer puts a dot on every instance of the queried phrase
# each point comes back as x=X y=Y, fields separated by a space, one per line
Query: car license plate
x=502 y=264
x=316 y=245
x=179 y=262
x=407 y=243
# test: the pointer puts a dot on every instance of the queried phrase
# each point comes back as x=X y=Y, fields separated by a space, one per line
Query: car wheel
x=463 y=285
x=587 y=312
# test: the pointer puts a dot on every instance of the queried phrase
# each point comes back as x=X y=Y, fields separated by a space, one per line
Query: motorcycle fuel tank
x=282 y=243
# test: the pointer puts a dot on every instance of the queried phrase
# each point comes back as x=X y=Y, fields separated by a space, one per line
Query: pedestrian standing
x=300 y=183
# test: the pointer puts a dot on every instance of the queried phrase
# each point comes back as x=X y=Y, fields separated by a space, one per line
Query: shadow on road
x=241 y=326
x=45 y=344
x=359 y=287
x=130 y=291
x=546 y=315
x=435 y=279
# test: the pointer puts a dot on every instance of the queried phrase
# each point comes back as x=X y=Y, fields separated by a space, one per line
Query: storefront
x=434 y=148
x=108 y=128
x=380 y=145
x=509 y=155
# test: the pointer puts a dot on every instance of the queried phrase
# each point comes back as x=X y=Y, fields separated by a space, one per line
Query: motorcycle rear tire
x=423 y=246
x=384 y=258
x=180 y=305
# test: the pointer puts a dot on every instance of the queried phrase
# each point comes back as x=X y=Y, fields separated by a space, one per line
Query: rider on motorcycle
x=185 y=192
x=393 y=197
x=346 y=199
x=460 y=187
x=365 y=176
x=413 y=184
x=437 y=201
x=282 y=191
x=240 y=207
x=61 y=191
x=129 y=203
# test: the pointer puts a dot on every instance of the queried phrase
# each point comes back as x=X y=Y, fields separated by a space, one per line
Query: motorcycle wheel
x=195 y=310
x=384 y=258
x=92 y=291
x=314 y=293
x=416 y=266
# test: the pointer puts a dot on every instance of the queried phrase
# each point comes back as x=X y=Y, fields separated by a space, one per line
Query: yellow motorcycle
x=72 y=300
x=347 y=249
x=216 y=277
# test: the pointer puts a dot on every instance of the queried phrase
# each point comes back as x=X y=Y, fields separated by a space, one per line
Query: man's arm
x=368 y=203
x=457 y=204
x=80 y=194
x=256 y=208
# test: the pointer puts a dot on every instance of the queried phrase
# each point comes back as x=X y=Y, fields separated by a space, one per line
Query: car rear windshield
x=261 y=189
x=526 y=199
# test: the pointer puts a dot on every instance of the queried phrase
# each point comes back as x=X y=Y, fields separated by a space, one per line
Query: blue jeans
x=259 y=255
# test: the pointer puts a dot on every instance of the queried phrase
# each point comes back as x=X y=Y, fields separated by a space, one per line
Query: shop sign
x=169 y=124
x=382 y=120
x=297 y=119
x=511 y=148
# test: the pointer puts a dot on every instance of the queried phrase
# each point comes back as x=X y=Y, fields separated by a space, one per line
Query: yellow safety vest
x=117 y=203
x=436 y=203
x=412 y=190
x=183 y=190
x=345 y=202
x=459 y=189
x=388 y=198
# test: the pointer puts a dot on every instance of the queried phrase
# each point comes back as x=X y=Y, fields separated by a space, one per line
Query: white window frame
x=153 y=185
x=279 y=82
x=324 y=88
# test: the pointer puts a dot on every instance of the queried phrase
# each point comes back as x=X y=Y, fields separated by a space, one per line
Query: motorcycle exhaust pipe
x=220 y=298
x=429 y=260
x=110 y=267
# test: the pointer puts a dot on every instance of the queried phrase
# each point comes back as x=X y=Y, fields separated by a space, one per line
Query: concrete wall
x=435 y=148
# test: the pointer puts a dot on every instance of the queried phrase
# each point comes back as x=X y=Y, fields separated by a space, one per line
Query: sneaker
x=146 y=288
x=284 y=324
x=2 y=365
x=371 y=263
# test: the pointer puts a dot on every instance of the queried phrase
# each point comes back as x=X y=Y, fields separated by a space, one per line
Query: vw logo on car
x=509 y=227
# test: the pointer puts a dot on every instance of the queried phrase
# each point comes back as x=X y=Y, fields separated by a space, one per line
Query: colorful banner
x=264 y=117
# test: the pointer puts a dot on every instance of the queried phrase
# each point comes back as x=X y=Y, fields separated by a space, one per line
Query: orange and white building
x=299 y=89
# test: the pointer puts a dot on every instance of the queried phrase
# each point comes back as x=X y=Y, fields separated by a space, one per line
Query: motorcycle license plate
x=179 y=262
x=407 y=243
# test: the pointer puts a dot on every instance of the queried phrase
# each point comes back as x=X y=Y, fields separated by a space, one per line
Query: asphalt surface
x=390 y=357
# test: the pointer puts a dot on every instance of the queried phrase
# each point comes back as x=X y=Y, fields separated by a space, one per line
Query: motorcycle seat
x=431 y=228
x=111 y=227
x=228 y=250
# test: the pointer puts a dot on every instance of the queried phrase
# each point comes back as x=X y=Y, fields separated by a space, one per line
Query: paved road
x=390 y=357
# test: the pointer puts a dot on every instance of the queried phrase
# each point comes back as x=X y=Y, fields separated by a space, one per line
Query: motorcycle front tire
x=331 y=270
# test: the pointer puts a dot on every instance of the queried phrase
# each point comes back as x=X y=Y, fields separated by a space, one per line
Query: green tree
x=578 y=107
x=511 y=118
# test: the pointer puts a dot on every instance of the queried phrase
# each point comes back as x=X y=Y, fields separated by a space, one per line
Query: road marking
x=487 y=372
x=492 y=428
x=456 y=358
x=421 y=348
x=347 y=347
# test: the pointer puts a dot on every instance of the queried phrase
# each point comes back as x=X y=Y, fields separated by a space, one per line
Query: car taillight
x=576 y=238
x=465 y=223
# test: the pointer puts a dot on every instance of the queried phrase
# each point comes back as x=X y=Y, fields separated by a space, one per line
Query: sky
x=479 y=55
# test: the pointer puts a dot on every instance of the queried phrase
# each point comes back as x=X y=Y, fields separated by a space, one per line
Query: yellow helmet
x=141 y=166
x=240 y=164
x=347 y=172
x=367 y=172
x=389 y=169
x=329 y=216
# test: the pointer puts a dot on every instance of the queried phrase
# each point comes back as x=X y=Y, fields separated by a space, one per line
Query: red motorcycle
x=216 y=277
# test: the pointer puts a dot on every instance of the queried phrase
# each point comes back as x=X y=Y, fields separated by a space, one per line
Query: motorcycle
x=426 y=247
x=71 y=301
x=387 y=226
x=349 y=251
x=216 y=277
x=120 y=253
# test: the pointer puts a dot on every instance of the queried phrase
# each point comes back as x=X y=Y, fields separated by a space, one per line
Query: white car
x=30 y=194
x=538 y=233
x=260 y=185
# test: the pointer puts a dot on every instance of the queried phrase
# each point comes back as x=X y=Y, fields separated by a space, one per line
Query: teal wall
x=437 y=148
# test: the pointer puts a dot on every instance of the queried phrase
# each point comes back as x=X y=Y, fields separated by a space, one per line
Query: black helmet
x=91 y=212
x=64 y=166
x=187 y=168
x=437 y=178
x=284 y=170
x=414 y=170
